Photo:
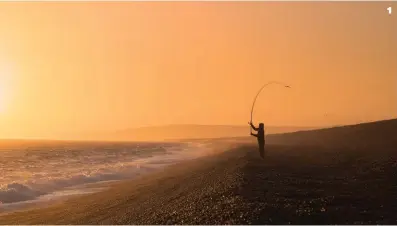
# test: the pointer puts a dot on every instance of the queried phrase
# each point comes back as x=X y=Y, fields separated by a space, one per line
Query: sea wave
x=28 y=175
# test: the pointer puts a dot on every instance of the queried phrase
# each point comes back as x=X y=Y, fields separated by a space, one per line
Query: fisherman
x=260 y=136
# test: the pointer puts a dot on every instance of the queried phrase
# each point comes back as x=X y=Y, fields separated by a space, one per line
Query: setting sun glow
x=68 y=69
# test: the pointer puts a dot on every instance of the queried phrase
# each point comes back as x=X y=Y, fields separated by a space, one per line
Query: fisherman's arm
x=253 y=127
x=255 y=135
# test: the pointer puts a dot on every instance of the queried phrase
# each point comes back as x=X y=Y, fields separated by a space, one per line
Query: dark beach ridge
x=350 y=184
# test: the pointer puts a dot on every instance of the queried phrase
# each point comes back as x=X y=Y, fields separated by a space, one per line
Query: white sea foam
x=27 y=175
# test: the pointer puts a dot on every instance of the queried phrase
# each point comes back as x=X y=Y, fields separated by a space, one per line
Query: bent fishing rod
x=260 y=90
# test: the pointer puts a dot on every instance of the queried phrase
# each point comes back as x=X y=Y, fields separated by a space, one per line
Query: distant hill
x=373 y=134
x=174 y=132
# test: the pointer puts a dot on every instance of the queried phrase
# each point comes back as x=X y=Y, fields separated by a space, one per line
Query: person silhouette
x=260 y=136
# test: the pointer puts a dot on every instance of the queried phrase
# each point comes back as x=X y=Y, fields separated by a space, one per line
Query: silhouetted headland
x=178 y=132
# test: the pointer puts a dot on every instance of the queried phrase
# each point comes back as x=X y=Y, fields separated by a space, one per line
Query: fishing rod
x=260 y=90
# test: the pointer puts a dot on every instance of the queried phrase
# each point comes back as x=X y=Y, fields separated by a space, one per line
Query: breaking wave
x=28 y=174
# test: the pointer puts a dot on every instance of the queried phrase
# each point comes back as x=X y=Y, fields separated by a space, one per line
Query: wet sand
x=293 y=185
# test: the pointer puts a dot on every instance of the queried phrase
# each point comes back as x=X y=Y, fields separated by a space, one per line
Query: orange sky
x=67 y=69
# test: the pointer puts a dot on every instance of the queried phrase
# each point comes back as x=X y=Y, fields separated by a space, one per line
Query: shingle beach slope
x=293 y=185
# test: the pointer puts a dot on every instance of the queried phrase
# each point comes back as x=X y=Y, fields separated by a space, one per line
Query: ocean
x=44 y=172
